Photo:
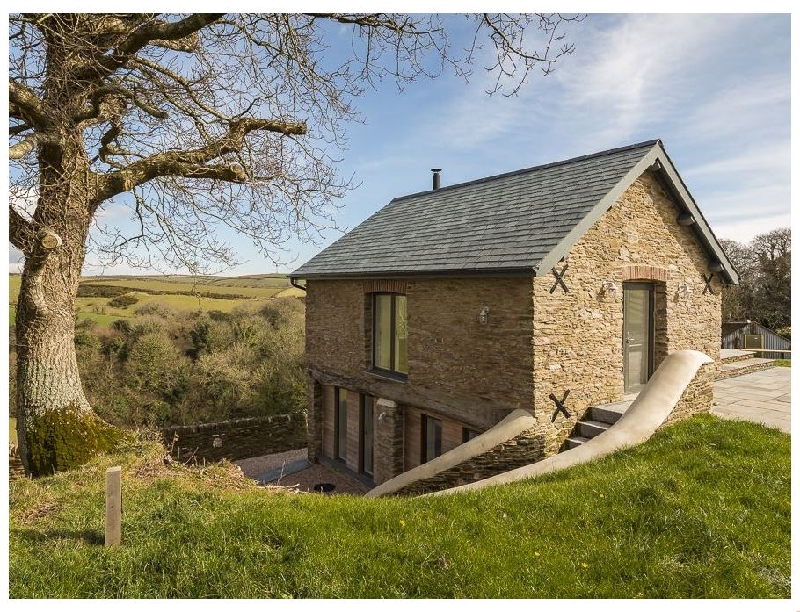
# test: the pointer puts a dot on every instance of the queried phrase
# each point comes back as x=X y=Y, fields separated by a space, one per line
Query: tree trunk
x=56 y=426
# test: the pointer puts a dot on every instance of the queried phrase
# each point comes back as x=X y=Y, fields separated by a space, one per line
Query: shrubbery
x=165 y=367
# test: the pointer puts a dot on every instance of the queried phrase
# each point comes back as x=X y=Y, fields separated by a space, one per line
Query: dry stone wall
x=523 y=449
x=237 y=439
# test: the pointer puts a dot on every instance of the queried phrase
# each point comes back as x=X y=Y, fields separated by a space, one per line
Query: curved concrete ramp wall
x=649 y=410
x=511 y=436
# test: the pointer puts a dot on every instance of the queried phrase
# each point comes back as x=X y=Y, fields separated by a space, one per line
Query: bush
x=156 y=309
x=123 y=301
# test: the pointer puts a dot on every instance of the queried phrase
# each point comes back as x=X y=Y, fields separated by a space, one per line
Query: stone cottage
x=552 y=289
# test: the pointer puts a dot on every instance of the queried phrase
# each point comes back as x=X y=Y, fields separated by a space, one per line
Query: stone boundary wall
x=697 y=397
x=722 y=374
x=525 y=448
x=238 y=438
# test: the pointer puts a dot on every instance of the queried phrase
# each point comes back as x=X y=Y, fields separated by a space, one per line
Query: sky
x=714 y=88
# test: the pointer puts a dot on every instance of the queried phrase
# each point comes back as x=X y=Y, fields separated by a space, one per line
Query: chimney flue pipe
x=436 y=178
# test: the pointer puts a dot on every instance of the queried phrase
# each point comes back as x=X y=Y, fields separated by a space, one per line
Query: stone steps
x=743 y=366
x=600 y=419
x=734 y=355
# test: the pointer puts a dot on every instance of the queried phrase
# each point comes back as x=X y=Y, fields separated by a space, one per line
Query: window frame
x=468 y=434
x=424 y=430
x=362 y=414
x=393 y=360
x=339 y=454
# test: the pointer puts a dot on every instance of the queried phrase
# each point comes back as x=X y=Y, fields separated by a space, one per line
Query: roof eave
x=382 y=274
x=657 y=157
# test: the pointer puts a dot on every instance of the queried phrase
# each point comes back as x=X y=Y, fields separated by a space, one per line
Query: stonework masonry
x=535 y=342
x=577 y=335
x=238 y=438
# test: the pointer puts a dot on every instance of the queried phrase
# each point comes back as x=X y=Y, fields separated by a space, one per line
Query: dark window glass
x=340 y=435
x=467 y=434
x=367 y=428
x=390 y=333
x=431 y=438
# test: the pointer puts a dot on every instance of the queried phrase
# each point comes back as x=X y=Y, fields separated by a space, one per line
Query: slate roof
x=516 y=222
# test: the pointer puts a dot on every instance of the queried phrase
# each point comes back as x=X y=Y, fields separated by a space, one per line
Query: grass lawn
x=784 y=363
x=699 y=511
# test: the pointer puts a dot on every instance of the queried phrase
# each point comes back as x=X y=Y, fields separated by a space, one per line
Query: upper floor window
x=389 y=333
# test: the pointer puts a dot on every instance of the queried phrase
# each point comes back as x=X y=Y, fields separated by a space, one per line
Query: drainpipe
x=294 y=283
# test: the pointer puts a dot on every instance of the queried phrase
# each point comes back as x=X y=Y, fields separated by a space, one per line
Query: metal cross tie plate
x=708 y=284
x=559 y=279
x=560 y=407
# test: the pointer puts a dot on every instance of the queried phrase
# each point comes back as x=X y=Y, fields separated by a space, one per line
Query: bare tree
x=764 y=290
x=194 y=122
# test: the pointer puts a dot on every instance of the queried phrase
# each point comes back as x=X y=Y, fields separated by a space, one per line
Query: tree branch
x=158 y=33
x=20 y=230
x=192 y=163
x=23 y=103
x=23 y=147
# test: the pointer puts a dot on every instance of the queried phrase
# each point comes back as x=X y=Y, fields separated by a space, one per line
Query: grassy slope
x=701 y=510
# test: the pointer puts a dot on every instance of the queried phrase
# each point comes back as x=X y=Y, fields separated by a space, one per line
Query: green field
x=186 y=293
x=698 y=511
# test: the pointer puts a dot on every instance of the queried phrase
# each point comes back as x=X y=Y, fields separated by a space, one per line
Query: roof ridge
x=486 y=179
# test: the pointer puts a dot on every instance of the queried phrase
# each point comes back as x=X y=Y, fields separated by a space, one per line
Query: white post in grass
x=113 y=506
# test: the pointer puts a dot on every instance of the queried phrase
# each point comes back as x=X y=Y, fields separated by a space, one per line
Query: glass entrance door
x=637 y=335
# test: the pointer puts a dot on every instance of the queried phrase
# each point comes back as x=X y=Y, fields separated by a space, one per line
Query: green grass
x=784 y=363
x=171 y=292
x=699 y=511
x=12 y=430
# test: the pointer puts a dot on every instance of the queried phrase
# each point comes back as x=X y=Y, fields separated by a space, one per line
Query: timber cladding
x=237 y=439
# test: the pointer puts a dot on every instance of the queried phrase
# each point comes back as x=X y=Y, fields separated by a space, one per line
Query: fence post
x=114 y=506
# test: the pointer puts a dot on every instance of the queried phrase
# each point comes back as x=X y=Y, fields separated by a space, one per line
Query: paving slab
x=761 y=397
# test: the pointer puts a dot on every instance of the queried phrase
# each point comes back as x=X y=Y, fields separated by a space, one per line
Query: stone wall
x=523 y=449
x=459 y=369
x=697 y=397
x=476 y=373
x=237 y=439
x=578 y=335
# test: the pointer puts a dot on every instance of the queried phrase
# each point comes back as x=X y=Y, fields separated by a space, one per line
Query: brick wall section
x=578 y=335
x=316 y=403
x=388 y=441
x=240 y=438
x=526 y=448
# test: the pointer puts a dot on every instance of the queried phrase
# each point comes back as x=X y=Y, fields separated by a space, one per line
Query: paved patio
x=762 y=397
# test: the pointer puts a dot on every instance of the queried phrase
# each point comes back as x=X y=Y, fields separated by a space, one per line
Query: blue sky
x=714 y=88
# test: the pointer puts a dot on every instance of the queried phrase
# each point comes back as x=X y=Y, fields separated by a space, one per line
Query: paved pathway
x=763 y=397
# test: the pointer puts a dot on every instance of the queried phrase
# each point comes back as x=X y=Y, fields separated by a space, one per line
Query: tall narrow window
x=431 y=438
x=367 y=428
x=340 y=425
x=390 y=333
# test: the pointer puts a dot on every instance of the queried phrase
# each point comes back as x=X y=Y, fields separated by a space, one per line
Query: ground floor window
x=467 y=434
x=340 y=425
x=431 y=438
x=367 y=454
